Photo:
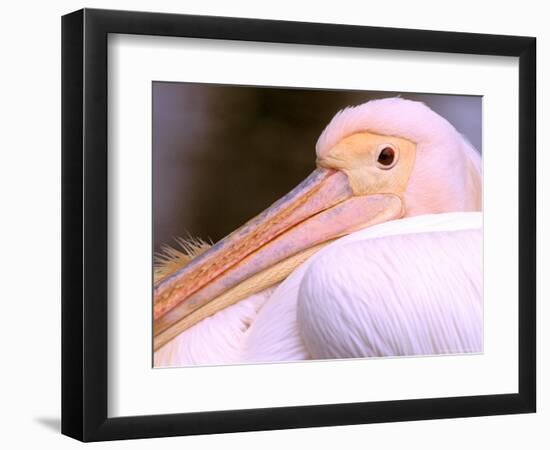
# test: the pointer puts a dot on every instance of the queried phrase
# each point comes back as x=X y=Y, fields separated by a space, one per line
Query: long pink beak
x=319 y=209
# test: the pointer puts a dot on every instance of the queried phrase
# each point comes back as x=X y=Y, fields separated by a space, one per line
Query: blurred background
x=222 y=154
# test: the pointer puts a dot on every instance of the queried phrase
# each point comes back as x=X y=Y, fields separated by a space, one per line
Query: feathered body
x=416 y=280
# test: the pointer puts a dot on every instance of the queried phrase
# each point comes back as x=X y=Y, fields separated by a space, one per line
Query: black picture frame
x=84 y=224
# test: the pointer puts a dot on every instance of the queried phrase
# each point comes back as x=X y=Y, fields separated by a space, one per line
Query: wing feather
x=411 y=294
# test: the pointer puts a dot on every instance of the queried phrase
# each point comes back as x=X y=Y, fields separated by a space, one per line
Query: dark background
x=222 y=154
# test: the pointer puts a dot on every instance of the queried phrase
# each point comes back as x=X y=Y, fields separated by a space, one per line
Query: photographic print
x=296 y=224
x=276 y=221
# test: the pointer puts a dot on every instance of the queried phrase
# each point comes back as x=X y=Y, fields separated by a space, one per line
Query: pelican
x=376 y=253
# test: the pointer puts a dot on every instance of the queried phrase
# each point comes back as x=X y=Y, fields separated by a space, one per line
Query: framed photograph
x=273 y=224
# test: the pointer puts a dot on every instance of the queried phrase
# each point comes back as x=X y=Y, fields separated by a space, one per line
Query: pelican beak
x=266 y=249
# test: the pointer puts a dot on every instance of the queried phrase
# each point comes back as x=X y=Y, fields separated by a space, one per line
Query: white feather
x=218 y=339
x=411 y=294
x=292 y=321
x=275 y=334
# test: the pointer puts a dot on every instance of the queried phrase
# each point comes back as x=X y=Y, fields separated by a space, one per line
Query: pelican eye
x=387 y=157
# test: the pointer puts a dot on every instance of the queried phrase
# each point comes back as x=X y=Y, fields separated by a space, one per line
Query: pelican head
x=379 y=161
